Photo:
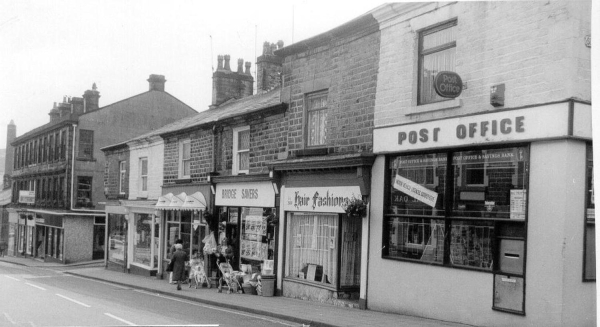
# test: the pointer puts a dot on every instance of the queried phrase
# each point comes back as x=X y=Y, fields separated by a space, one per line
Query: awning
x=181 y=201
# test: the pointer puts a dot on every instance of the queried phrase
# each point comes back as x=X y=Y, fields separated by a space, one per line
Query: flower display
x=356 y=207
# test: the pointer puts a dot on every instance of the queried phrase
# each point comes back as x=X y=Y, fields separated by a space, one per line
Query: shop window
x=179 y=226
x=589 y=263
x=86 y=144
x=316 y=119
x=142 y=243
x=487 y=190
x=437 y=48
x=241 y=150
x=185 y=158
x=84 y=191
x=144 y=174
x=122 y=177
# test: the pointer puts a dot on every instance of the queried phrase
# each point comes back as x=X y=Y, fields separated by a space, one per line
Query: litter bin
x=268 y=285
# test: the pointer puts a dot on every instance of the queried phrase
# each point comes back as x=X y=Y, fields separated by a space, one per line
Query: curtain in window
x=351 y=251
x=313 y=242
x=187 y=154
x=243 y=147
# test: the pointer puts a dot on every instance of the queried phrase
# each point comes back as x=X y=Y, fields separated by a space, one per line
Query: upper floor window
x=86 y=144
x=437 y=49
x=144 y=174
x=185 y=158
x=241 y=150
x=84 y=191
x=51 y=148
x=316 y=118
x=122 y=176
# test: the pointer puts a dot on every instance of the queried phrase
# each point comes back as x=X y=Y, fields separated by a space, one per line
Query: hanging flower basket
x=356 y=208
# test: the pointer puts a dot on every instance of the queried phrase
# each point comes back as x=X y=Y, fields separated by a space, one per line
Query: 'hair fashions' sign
x=549 y=121
x=319 y=199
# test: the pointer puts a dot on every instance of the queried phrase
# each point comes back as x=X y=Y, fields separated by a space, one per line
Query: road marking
x=9 y=318
x=214 y=308
x=120 y=319
x=43 y=289
x=80 y=303
x=18 y=280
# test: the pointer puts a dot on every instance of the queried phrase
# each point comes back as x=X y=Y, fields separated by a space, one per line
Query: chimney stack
x=11 y=135
x=228 y=84
x=91 y=99
x=269 y=68
x=157 y=82
x=54 y=114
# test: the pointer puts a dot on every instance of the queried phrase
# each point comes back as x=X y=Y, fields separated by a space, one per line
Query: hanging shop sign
x=260 y=194
x=502 y=126
x=320 y=199
x=27 y=197
x=448 y=84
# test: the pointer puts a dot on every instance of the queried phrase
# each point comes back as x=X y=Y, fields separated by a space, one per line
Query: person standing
x=179 y=259
x=171 y=251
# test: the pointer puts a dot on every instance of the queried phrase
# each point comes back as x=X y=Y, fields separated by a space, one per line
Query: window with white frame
x=437 y=49
x=144 y=174
x=316 y=118
x=122 y=176
x=241 y=150
x=185 y=158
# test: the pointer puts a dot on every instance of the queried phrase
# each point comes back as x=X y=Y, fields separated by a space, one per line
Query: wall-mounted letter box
x=511 y=256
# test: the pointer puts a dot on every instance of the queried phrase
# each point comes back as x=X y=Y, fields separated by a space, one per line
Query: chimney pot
x=157 y=82
x=279 y=44
x=266 y=48
x=240 y=68
x=247 y=72
x=219 y=62
x=226 y=57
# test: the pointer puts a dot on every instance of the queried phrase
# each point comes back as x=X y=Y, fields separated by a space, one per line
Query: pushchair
x=197 y=273
x=229 y=276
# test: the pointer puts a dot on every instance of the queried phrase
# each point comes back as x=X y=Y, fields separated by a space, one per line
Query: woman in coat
x=179 y=259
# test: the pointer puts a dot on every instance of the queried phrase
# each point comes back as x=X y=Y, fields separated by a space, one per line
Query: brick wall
x=347 y=68
x=535 y=48
x=201 y=156
x=112 y=173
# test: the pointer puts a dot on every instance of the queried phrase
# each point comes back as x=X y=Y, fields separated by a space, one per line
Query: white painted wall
x=154 y=151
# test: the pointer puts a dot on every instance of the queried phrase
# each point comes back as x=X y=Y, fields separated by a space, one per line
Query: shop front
x=116 y=237
x=247 y=230
x=182 y=216
x=482 y=218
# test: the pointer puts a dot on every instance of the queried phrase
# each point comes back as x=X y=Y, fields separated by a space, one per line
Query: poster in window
x=518 y=204
x=233 y=216
x=311 y=272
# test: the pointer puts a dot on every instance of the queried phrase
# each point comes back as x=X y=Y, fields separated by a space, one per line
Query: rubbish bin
x=268 y=285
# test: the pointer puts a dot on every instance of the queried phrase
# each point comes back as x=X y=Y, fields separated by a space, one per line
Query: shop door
x=40 y=244
x=98 y=252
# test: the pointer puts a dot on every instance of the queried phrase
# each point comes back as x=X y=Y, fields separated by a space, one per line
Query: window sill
x=85 y=159
x=307 y=282
x=432 y=107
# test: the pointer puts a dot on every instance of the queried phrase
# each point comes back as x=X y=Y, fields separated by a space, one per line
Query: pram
x=197 y=273
x=229 y=276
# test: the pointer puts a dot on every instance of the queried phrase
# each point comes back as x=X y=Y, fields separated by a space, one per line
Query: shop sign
x=260 y=194
x=27 y=197
x=40 y=220
x=320 y=199
x=448 y=84
x=513 y=125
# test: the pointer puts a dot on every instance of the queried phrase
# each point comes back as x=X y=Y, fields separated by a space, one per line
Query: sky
x=52 y=49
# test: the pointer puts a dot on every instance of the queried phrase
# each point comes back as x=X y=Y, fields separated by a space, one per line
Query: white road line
x=120 y=319
x=18 y=280
x=9 y=318
x=214 y=308
x=43 y=289
x=75 y=301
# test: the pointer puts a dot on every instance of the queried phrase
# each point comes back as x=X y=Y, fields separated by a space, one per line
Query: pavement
x=307 y=313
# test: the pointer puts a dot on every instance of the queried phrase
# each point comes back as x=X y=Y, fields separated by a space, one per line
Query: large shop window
x=144 y=244
x=455 y=219
x=589 y=263
x=187 y=226
x=315 y=252
x=117 y=238
x=437 y=49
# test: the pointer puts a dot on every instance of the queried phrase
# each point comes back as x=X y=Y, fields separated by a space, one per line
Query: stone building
x=58 y=171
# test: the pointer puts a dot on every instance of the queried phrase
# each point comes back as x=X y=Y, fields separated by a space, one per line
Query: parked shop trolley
x=197 y=273
x=229 y=276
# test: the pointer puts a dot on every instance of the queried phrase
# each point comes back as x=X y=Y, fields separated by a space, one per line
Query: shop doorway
x=99 y=233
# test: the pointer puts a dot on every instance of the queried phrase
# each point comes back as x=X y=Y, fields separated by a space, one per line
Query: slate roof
x=227 y=110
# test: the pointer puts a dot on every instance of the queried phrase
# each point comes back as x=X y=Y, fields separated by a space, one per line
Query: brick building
x=481 y=206
x=58 y=198
x=329 y=81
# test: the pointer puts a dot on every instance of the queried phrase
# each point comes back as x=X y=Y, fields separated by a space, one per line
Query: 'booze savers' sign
x=415 y=190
